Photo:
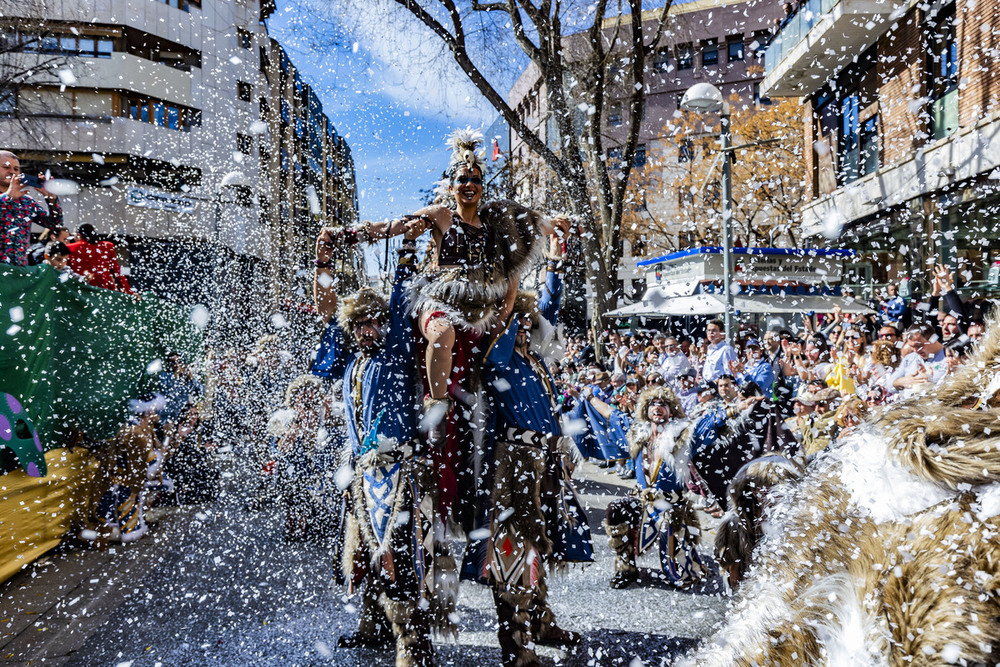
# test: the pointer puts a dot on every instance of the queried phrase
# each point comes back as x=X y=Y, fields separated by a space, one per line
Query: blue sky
x=395 y=116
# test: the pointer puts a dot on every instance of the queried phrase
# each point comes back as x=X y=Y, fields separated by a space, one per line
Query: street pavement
x=218 y=585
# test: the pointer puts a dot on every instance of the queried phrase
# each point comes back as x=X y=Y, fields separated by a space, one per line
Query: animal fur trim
x=364 y=303
x=739 y=531
x=663 y=393
x=469 y=296
x=516 y=495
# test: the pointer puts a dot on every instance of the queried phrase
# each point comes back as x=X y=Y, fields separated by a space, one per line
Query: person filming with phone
x=18 y=211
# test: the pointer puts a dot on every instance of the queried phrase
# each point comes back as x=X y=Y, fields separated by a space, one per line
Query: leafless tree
x=583 y=52
x=30 y=56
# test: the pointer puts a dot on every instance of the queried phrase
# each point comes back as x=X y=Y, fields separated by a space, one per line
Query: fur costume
x=412 y=554
x=739 y=532
x=363 y=304
x=657 y=510
x=886 y=553
x=468 y=293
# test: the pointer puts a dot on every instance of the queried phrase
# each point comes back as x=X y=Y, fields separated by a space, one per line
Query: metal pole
x=727 y=215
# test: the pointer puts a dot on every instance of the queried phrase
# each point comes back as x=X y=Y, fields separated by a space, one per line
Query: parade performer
x=475 y=254
x=885 y=553
x=393 y=535
x=657 y=509
x=749 y=495
x=533 y=515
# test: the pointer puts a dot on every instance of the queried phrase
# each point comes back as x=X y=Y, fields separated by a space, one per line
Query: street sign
x=164 y=201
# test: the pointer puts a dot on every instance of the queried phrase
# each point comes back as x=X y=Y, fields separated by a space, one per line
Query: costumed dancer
x=393 y=534
x=477 y=251
x=749 y=496
x=533 y=515
x=657 y=509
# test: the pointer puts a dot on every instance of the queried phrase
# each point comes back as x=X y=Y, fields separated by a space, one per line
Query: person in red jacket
x=97 y=260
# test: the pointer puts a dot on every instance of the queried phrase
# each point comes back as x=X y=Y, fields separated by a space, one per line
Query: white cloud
x=410 y=65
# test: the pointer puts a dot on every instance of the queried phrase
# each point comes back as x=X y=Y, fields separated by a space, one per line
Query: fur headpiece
x=300 y=384
x=364 y=303
x=665 y=394
x=526 y=303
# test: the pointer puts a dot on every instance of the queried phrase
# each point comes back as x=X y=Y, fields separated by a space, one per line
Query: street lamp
x=703 y=98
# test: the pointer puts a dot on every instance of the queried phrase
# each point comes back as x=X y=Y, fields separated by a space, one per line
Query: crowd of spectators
x=822 y=378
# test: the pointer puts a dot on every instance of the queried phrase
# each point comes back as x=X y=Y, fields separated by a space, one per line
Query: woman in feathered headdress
x=474 y=261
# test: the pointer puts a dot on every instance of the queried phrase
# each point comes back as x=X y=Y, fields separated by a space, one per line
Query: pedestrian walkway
x=218 y=585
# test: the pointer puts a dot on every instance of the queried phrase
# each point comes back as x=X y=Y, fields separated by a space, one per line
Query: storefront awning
x=714 y=304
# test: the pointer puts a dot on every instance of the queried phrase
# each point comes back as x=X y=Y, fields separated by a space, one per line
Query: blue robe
x=390 y=381
x=523 y=396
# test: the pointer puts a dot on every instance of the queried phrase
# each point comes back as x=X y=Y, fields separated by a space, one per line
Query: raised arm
x=324 y=295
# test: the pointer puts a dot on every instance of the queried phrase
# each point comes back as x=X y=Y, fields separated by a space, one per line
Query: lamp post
x=703 y=98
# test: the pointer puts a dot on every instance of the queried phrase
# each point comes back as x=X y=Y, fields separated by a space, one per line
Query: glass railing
x=793 y=30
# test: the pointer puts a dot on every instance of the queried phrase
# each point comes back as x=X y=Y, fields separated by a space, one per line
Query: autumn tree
x=681 y=182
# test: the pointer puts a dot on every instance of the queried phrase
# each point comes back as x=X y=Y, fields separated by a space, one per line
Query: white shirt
x=717 y=361
x=673 y=365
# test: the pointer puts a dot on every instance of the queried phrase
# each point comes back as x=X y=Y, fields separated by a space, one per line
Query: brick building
x=705 y=40
x=901 y=119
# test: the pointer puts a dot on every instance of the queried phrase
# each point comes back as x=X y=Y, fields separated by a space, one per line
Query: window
x=244 y=38
x=184 y=5
x=265 y=108
x=857 y=107
x=165 y=114
x=685 y=151
x=734 y=49
x=942 y=73
x=244 y=143
x=265 y=61
x=661 y=60
x=244 y=91
x=8 y=101
x=614 y=114
x=710 y=53
x=639 y=159
x=758 y=100
x=685 y=56
x=82 y=46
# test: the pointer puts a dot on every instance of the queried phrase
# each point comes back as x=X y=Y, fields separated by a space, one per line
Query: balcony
x=124 y=71
x=819 y=38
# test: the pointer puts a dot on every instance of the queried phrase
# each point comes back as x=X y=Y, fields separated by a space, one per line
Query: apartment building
x=902 y=131
x=196 y=144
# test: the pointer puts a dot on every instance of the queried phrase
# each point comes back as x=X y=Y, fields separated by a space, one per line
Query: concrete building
x=705 y=40
x=901 y=109
x=195 y=142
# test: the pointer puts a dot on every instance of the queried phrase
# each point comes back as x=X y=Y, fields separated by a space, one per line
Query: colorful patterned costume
x=16 y=216
x=393 y=533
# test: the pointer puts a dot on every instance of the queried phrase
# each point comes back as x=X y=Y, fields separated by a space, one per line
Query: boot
x=435 y=420
x=544 y=630
x=621 y=541
x=411 y=627
x=373 y=626
x=513 y=614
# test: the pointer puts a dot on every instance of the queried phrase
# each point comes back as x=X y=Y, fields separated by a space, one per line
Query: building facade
x=902 y=132
x=195 y=143
x=703 y=41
